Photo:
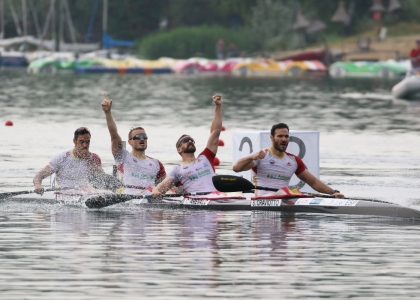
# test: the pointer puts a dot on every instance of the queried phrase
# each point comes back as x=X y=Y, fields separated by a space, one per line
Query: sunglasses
x=185 y=140
x=81 y=130
x=139 y=136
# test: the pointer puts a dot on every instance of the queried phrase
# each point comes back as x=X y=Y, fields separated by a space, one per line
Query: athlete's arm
x=116 y=141
x=162 y=187
x=247 y=163
x=44 y=173
x=216 y=125
x=317 y=184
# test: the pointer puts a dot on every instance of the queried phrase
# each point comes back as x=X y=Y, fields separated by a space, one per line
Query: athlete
x=135 y=168
x=274 y=167
x=73 y=168
x=194 y=174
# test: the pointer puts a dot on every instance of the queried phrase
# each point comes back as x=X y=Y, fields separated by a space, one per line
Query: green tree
x=271 y=24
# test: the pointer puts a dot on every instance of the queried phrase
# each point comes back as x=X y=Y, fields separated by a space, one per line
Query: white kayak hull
x=407 y=88
x=296 y=205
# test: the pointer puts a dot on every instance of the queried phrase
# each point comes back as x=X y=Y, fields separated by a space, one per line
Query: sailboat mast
x=2 y=19
x=105 y=17
x=24 y=18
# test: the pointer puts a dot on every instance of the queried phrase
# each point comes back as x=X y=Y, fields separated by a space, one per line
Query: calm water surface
x=369 y=147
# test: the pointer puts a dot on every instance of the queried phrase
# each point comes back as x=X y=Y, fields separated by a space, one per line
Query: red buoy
x=220 y=143
x=9 y=123
x=216 y=161
x=223 y=128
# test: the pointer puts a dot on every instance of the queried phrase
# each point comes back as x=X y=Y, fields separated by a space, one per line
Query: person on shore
x=194 y=174
x=135 y=169
x=73 y=168
x=220 y=49
x=415 y=57
x=274 y=167
x=233 y=51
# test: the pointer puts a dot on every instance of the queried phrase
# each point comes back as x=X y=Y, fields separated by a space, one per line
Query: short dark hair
x=178 y=142
x=81 y=130
x=132 y=129
x=277 y=126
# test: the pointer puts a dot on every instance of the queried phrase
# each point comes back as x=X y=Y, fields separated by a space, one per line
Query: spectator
x=233 y=50
x=220 y=49
x=415 y=57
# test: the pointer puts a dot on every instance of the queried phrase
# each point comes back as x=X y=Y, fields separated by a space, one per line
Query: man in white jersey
x=195 y=174
x=275 y=167
x=135 y=169
x=74 y=167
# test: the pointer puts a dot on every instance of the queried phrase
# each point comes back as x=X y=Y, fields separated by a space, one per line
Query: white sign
x=304 y=144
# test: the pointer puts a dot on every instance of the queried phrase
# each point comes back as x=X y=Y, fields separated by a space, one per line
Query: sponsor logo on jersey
x=278 y=176
x=272 y=162
x=142 y=176
x=198 y=175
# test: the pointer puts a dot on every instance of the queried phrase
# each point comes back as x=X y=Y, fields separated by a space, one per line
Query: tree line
x=268 y=24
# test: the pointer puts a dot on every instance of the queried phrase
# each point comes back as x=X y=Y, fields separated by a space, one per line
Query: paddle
x=11 y=194
x=100 y=201
x=231 y=183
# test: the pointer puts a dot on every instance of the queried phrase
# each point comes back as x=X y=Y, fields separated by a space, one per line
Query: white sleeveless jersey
x=275 y=172
x=71 y=171
x=138 y=172
x=195 y=176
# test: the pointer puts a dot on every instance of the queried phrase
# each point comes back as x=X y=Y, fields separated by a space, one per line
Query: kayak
x=231 y=202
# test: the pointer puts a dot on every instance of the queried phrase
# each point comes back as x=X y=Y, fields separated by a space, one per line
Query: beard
x=279 y=147
x=190 y=149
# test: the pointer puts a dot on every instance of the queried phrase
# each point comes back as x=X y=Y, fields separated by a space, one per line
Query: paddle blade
x=231 y=183
x=100 y=201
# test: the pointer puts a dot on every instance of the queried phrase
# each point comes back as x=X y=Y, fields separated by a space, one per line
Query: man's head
x=185 y=144
x=280 y=137
x=137 y=138
x=81 y=141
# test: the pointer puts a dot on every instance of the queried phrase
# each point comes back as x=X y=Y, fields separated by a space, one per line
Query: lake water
x=369 y=147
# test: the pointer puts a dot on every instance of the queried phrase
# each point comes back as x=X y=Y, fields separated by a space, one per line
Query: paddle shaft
x=11 y=194
x=231 y=183
x=100 y=201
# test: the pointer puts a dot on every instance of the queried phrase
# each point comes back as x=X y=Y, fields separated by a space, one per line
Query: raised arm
x=116 y=141
x=216 y=125
x=246 y=163
x=44 y=173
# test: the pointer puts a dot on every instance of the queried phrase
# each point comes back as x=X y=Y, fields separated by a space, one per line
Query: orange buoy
x=216 y=161
x=220 y=143
x=223 y=128
x=9 y=123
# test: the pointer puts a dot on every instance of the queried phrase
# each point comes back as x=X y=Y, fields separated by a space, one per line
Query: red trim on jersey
x=301 y=166
x=96 y=159
x=210 y=156
x=162 y=172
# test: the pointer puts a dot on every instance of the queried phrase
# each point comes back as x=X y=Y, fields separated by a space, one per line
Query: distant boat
x=13 y=59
